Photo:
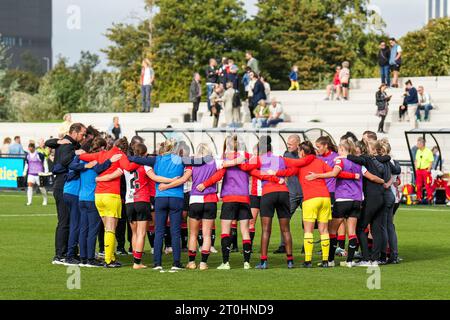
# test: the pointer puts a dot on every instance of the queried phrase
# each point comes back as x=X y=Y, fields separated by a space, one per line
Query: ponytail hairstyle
x=139 y=149
x=122 y=144
x=326 y=141
x=307 y=147
x=203 y=150
x=349 y=135
x=348 y=145
x=168 y=146
x=383 y=147
x=264 y=145
x=97 y=144
x=372 y=147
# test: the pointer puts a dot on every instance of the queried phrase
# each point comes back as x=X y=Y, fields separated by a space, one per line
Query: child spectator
x=293 y=76
x=336 y=86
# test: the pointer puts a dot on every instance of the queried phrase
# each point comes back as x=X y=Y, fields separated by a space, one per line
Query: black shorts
x=345 y=85
x=199 y=211
x=235 y=211
x=255 y=202
x=187 y=196
x=347 y=209
x=278 y=201
x=139 y=211
x=395 y=67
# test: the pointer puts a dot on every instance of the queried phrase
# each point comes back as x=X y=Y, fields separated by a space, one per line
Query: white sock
x=44 y=193
x=30 y=194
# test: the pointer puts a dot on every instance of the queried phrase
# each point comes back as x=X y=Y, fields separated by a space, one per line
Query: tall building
x=437 y=9
x=26 y=29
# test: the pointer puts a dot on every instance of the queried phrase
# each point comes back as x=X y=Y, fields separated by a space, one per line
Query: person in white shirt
x=276 y=113
x=147 y=78
x=424 y=104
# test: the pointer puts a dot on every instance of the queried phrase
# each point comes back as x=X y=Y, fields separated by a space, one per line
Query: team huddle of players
x=349 y=190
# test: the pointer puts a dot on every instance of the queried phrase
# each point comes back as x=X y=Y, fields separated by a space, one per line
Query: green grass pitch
x=27 y=247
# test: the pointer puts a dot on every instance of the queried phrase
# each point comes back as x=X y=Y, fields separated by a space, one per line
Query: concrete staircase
x=304 y=110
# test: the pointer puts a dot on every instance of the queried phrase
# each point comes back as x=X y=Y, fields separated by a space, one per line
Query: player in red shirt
x=255 y=197
x=316 y=203
x=137 y=202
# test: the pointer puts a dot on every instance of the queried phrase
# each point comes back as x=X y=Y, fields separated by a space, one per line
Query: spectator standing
x=251 y=87
x=16 y=147
x=246 y=80
x=211 y=79
x=383 y=61
x=424 y=104
x=261 y=113
x=5 y=146
x=115 y=129
x=344 y=78
x=65 y=126
x=231 y=112
x=195 y=94
x=293 y=77
x=423 y=163
x=266 y=88
x=411 y=100
x=335 y=86
x=259 y=92
x=382 y=102
x=216 y=100
x=232 y=75
x=223 y=71
x=395 y=61
x=147 y=78
x=252 y=63
x=276 y=113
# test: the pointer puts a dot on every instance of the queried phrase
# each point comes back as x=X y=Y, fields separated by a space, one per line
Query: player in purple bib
x=349 y=197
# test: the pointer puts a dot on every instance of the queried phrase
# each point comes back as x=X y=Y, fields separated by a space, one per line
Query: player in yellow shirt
x=423 y=163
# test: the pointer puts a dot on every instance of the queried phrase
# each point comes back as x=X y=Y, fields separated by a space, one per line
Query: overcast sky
x=81 y=24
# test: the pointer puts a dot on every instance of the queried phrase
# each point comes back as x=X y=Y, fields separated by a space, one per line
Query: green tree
x=188 y=33
x=426 y=52
x=185 y=35
x=298 y=32
x=5 y=88
x=126 y=55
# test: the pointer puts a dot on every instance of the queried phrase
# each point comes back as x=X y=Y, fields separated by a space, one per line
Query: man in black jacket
x=383 y=62
x=64 y=154
x=195 y=95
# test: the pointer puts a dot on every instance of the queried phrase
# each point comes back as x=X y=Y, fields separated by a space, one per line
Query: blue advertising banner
x=10 y=169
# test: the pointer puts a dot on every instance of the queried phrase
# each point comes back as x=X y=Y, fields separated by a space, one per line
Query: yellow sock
x=325 y=244
x=308 y=243
x=110 y=239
